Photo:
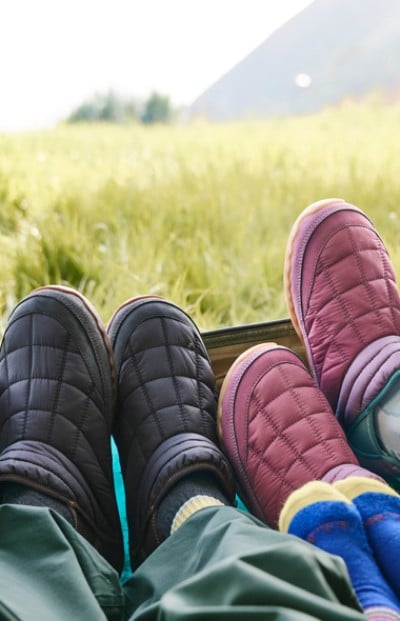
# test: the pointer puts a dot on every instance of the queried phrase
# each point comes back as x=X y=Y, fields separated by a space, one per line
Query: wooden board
x=226 y=344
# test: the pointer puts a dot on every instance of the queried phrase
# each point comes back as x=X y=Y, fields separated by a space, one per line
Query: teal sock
x=334 y=525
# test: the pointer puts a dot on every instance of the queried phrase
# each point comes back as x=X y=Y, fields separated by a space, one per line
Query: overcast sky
x=56 y=53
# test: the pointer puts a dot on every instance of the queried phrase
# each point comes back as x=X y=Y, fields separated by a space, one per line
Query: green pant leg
x=224 y=564
x=49 y=572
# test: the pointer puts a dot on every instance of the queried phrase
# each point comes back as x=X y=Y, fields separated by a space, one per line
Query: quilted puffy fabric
x=278 y=430
x=165 y=424
x=56 y=408
x=343 y=299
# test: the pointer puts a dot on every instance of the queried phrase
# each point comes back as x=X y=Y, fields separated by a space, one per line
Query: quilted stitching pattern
x=56 y=411
x=279 y=431
x=166 y=398
x=348 y=294
x=45 y=390
x=165 y=384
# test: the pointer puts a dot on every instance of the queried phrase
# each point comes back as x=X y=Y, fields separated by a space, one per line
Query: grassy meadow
x=198 y=213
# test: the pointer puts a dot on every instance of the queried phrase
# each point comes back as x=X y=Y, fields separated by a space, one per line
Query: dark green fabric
x=224 y=564
x=49 y=572
x=221 y=564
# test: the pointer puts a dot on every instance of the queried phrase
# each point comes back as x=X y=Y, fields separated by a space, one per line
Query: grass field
x=198 y=213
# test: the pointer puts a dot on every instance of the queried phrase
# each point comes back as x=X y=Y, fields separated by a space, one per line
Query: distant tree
x=106 y=107
x=157 y=109
x=116 y=109
x=87 y=111
x=111 y=108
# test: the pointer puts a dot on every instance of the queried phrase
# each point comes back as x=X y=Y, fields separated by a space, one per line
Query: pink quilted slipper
x=343 y=301
x=278 y=430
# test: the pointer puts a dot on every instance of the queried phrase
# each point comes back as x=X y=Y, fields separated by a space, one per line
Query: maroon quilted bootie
x=344 y=303
x=278 y=430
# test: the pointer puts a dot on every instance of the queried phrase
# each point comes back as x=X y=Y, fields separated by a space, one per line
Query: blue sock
x=379 y=507
x=334 y=525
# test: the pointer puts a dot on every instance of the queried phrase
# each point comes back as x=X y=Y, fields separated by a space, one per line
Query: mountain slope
x=346 y=47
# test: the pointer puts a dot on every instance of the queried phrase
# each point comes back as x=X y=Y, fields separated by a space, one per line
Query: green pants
x=221 y=564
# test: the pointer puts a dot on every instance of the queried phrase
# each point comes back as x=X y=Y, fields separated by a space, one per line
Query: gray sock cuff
x=18 y=494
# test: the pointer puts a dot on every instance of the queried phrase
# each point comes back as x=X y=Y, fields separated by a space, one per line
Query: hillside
x=346 y=47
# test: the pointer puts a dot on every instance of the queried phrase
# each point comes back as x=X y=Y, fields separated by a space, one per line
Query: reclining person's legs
x=344 y=301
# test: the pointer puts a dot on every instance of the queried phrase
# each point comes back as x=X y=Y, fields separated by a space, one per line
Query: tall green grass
x=198 y=213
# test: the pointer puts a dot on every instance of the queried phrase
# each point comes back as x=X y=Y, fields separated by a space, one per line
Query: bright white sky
x=56 y=53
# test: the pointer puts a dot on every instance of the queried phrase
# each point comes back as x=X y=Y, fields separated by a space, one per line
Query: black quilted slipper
x=56 y=408
x=165 y=425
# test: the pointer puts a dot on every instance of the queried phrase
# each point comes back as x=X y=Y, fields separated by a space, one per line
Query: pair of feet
x=282 y=428
x=67 y=384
